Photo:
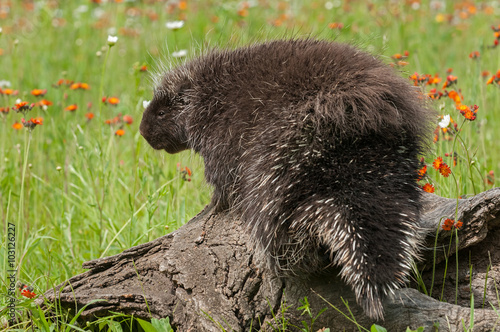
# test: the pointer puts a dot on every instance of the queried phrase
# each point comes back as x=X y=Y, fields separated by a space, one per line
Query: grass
x=76 y=191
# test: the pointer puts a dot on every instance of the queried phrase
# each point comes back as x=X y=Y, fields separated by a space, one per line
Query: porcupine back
x=316 y=145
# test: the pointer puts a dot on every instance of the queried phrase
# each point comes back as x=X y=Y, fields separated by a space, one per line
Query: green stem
x=100 y=144
x=21 y=194
x=469 y=162
x=434 y=256
x=456 y=262
x=445 y=266
x=101 y=88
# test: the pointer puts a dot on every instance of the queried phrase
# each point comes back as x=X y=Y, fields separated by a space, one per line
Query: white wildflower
x=445 y=122
x=5 y=84
x=179 y=54
x=146 y=103
x=112 y=40
x=174 y=25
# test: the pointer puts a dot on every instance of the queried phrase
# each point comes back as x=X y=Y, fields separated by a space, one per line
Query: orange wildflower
x=474 y=55
x=444 y=170
x=494 y=79
x=428 y=188
x=38 y=92
x=89 y=116
x=78 y=85
x=113 y=100
x=450 y=80
x=448 y=224
x=421 y=172
x=23 y=107
x=468 y=113
x=277 y=22
x=434 y=94
x=336 y=25
x=437 y=163
x=128 y=119
x=45 y=102
x=490 y=178
x=400 y=64
x=185 y=172
x=37 y=121
x=182 y=5
x=399 y=56
x=9 y=92
x=17 y=126
x=434 y=80
x=27 y=291
x=243 y=12
x=418 y=79
x=71 y=108
x=63 y=81
x=454 y=155
x=20 y=105
x=454 y=96
x=32 y=123
x=120 y=132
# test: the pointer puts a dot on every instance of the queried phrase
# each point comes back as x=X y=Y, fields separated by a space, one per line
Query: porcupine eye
x=161 y=114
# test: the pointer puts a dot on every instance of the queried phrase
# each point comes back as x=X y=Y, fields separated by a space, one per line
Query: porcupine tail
x=365 y=213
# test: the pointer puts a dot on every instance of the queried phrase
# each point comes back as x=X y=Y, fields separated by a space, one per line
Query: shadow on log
x=206 y=272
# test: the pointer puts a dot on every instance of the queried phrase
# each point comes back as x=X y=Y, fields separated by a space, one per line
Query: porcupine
x=315 y=144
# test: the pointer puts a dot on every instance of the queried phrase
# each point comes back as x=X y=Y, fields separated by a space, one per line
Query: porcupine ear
x=184 y=87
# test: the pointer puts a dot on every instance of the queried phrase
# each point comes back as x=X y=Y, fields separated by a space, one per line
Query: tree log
x=205 y=276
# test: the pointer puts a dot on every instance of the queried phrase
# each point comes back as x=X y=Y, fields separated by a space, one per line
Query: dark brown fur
x=315 y=144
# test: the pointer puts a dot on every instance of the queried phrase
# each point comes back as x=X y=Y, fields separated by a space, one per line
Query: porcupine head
x=315 y=144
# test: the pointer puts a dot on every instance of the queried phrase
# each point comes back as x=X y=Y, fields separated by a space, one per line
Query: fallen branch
x=204 y=276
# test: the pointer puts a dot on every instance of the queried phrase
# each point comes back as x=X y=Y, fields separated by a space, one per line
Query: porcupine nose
x=142 y=130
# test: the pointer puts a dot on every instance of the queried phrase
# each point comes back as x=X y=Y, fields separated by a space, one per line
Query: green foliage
x=377 y=328
x=156 y=325
x=306 y=309
x=280 y=323
x=420 y=329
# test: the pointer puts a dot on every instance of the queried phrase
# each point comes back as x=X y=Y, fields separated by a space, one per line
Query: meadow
x=77 y=180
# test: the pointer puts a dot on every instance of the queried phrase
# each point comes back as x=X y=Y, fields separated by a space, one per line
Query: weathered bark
x=205 y=274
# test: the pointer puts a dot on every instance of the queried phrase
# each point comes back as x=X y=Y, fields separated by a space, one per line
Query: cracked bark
x=205 y=274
